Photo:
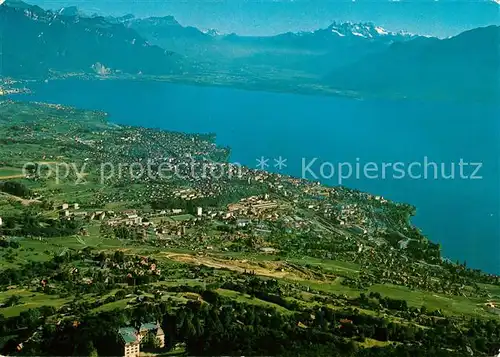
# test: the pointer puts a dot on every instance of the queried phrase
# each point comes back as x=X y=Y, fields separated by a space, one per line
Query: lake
x=315 y=134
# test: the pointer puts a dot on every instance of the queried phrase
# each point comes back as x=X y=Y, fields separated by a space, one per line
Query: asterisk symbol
x=262 y=163
x=280 y=163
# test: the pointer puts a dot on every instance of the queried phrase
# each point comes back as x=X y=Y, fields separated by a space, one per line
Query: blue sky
x=440 y=18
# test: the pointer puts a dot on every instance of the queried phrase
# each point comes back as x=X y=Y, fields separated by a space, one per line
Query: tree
x=16 y=188
x=119 y=257
x=93 y=353
x=120 y=295
x=13 y=300
x=123 y=232
x=30 y=318
x=150 y=341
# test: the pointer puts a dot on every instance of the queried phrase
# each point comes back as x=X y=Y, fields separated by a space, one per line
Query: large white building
x=131 y=338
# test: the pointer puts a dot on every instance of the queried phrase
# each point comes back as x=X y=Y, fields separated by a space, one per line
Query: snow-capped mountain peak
x=69 y=11
x=381 y=31
x=163 y=21
x=363 y=30
x=212 y=32
x=337 y=32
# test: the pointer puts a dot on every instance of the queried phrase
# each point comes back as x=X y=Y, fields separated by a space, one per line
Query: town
x=192 y=263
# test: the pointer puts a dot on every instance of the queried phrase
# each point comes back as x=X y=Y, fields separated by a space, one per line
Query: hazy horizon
x=442 y=18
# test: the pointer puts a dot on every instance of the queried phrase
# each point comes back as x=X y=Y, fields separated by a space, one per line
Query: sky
x=441 y=18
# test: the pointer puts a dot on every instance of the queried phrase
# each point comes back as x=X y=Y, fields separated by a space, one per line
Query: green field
x=182 y=217
x=6 y=172
x=121 y=304
x=29 y=300
x=494 y=290
x=250 y=300
x=43 y=250
x=453 y=305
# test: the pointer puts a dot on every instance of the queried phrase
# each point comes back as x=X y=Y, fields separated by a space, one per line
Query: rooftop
x=128 y=334
x=148 y=326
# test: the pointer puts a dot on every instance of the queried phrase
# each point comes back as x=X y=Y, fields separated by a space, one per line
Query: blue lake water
x=461 y=214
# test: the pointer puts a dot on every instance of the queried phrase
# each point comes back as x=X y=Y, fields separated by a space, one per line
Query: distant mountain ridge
x=317 y=51
x=466 y=66
x=163 y=28
x=349 y=31
x=354 y=58
x=367 y=30
x=36 y=42
x=320 y=51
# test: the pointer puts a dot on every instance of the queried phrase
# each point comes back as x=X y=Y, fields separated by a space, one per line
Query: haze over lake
x=462 y=214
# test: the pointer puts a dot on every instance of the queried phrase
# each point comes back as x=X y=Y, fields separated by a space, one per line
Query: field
x=453 y=305
x=262 y=265
x=250 y=300
x=10 y=173
x=182 y=217
x=29 y=300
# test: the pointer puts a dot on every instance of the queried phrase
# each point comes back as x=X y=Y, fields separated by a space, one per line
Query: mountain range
x=463 y=67
x=316 y=52
x=36 y=42
x=346 y=57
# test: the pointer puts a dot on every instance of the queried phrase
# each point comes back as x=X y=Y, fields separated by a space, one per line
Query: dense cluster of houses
x=338 y=205
x=253 y=207
x=73 y=211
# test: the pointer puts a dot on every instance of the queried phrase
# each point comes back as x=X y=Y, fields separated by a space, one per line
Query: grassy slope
x=42 y=250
